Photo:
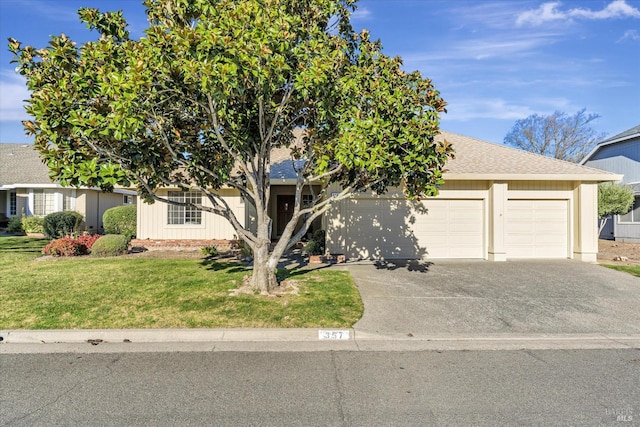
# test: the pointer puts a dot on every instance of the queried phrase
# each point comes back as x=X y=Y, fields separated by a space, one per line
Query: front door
x=285 y=211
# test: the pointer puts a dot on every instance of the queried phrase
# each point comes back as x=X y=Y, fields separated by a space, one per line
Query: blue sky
x=494 y=62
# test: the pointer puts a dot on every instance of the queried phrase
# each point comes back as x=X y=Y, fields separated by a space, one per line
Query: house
x=621 y=154
x=25 y=188
x=497 y=203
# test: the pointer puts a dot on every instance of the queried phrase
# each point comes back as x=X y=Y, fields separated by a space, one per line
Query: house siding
x=579 y=209
x=153 y=220
x=623 y=158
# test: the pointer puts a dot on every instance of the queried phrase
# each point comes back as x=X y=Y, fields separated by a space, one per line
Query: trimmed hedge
x=15 y=225
x=110 y=245
x=32 y=224
x=61 y=224
x=120 y=220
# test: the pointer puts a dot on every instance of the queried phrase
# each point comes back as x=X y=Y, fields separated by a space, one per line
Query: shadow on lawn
x=22 y=244
x=213 y=264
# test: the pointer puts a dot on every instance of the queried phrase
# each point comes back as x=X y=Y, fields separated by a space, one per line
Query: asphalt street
x=328 y=388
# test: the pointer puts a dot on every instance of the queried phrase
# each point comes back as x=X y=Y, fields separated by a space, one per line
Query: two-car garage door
x=395 y=228
x=441 y=228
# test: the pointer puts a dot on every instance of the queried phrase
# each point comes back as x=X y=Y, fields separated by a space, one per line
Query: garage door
x=391 y=228
x=537 y=229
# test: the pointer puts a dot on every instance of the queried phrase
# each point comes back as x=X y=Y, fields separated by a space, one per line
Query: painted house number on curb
x=333 y=335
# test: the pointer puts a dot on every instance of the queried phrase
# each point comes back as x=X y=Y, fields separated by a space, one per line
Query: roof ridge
x=525 y=152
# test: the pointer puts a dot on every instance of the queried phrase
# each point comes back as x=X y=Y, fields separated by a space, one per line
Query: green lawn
x=129 y=292
x=631 y=269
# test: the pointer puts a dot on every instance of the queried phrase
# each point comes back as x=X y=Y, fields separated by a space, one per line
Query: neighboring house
x=621 y=154
x=25 y=188
x=497 y=203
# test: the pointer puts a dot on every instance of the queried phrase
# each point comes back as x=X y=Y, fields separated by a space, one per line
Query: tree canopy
x=558 y=135
x=202 y=99
x=613 y=199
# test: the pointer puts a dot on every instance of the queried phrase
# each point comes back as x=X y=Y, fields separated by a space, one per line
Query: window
x=66 y=201
x=307 y=201
x=128 y=200
x=634 y=214
x=13 y=204
x=43 y=202
x=183 y=214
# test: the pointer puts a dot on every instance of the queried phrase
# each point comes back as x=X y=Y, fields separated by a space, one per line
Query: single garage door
x=537 y=229
x=392 y=228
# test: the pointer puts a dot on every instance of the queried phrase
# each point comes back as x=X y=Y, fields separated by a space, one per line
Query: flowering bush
x=88 y=240
x=68 y=246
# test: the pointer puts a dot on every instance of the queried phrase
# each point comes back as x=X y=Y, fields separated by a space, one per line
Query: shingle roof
x=21 y=164
x=474 y=158
x=633 y=131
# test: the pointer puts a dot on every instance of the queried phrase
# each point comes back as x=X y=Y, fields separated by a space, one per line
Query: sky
x=494 y=62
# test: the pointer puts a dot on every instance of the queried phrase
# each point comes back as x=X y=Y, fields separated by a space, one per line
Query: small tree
x=212 y=88
x=558 y=135
x=613 y=199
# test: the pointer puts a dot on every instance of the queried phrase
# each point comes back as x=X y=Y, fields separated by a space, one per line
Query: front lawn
x=130 y=292
x=631 y=269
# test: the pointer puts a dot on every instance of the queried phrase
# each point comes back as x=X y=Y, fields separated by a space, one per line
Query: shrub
x=209 y=251
x=68 y=246
x=15 y=225
x=65 y=246
x=61 y=224
x=120 y=220
x=316 y=245
x=110 y=245
x=32 y=224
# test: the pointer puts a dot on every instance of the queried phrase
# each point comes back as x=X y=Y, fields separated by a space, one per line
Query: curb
x=55 y=336
x=298 y=339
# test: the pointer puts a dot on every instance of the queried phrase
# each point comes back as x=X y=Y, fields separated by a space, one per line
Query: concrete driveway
x=474 y=298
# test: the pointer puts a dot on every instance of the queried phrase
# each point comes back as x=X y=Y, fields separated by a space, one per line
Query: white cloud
x=362 y=13
x=52 y=11
x=615 y=9
x=13 y=92
x=630 y=35
x=550 y=11
x=545 y=13
x=465 y=109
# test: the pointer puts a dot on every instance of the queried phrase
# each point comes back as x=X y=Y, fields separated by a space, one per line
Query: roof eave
x=606 y=143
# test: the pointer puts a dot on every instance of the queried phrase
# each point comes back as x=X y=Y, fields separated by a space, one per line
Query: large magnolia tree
x=213 y=86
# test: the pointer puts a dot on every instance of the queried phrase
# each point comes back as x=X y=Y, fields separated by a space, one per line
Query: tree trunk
x=264 y=278
x=603 y=222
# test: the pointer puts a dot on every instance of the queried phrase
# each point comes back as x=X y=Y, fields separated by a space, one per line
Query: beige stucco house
x=498 y=203
x=25 y=188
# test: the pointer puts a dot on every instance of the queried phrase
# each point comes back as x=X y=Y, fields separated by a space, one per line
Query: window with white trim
x=66 y=201
x=13 y=204
x=634 y=214
x=178 y=215
x=43 y=202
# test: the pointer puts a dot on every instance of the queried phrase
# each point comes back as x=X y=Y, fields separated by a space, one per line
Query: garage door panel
x=436 y=229
x=537 y=229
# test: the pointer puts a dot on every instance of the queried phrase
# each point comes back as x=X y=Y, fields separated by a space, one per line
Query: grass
x=631 y=269
x=127 y=292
